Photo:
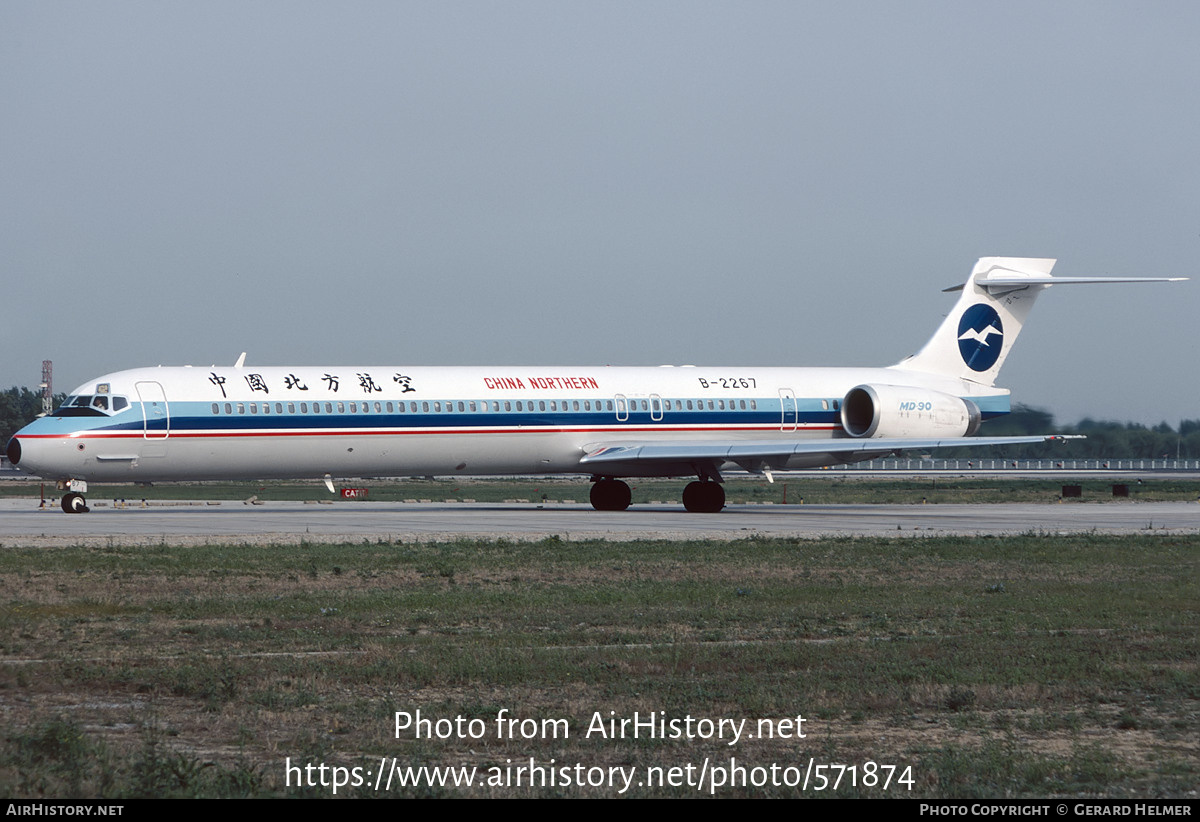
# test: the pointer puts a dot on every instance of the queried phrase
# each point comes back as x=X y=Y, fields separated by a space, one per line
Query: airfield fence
x=934 y=464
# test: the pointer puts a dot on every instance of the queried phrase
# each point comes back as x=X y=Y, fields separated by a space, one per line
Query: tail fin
x=976 y=337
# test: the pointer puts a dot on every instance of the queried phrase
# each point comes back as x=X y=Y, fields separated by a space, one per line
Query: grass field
x=1027 y=666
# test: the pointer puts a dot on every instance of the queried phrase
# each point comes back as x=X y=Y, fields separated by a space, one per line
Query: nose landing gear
x=74 y=503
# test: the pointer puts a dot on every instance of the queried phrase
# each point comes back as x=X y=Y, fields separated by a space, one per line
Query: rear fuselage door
x=789 y=417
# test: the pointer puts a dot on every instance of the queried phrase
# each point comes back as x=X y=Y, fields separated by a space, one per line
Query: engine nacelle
x=905 y=411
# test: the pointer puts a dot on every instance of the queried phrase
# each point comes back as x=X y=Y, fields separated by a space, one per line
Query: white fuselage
x=177 y=423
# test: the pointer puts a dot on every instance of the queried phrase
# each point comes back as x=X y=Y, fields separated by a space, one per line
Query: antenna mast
x=47 y=386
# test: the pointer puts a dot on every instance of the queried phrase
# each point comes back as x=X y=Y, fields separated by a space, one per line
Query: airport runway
x=22 y=523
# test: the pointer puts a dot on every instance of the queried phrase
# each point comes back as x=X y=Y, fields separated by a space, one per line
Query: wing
x=759 y=455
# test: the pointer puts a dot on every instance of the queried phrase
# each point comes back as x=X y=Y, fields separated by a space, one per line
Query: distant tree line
x=19 y=406
x=1105 y=438
x=1118 y=440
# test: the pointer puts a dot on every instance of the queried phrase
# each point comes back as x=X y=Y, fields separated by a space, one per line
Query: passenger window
x=291 y=408
x=228 y=408
x=425 y=407
x=753 y=405
x=519 y=408
x=341 y=408
x=507 y=405
x=587 y=405
x=278 y=408
x=216 y=408
x=541 y=405
x=253 y=408
x=437 y=407
x=473 y=409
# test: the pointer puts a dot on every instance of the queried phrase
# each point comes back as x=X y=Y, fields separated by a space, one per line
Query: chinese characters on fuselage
x=290 y=382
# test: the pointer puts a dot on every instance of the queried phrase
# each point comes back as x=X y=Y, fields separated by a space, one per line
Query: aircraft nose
x=13 y=452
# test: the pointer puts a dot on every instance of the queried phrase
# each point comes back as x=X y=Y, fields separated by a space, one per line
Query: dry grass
x=1027 y=666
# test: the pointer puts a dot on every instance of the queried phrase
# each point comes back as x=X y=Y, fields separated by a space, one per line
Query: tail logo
x=980 y=337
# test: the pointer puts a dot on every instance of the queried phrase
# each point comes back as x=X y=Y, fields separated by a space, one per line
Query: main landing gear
x=610 y=495
x=703 y=497
x=700 y=497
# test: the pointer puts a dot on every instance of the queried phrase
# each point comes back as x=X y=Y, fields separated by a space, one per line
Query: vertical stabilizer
x=975 y=338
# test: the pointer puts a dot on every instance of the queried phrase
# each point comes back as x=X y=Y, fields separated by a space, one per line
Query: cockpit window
x=91 y=405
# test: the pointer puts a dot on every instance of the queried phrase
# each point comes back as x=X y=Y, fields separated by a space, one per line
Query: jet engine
x=907 y=411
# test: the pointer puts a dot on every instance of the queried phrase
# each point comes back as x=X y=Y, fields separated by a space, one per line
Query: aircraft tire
x=703 y=497
x=73 y=503
x=610 y=495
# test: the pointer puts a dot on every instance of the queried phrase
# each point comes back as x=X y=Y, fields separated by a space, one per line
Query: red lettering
x=543 y=383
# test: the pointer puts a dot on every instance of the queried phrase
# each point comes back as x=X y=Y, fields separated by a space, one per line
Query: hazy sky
x=751 y=183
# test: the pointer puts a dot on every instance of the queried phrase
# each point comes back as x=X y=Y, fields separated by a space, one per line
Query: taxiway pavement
x=23 y=523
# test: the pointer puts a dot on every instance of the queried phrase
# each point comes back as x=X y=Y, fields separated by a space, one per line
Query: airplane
x=241 y=422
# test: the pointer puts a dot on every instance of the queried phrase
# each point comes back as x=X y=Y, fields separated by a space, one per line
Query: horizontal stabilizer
x=1020 y=282
x=1046 y=279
